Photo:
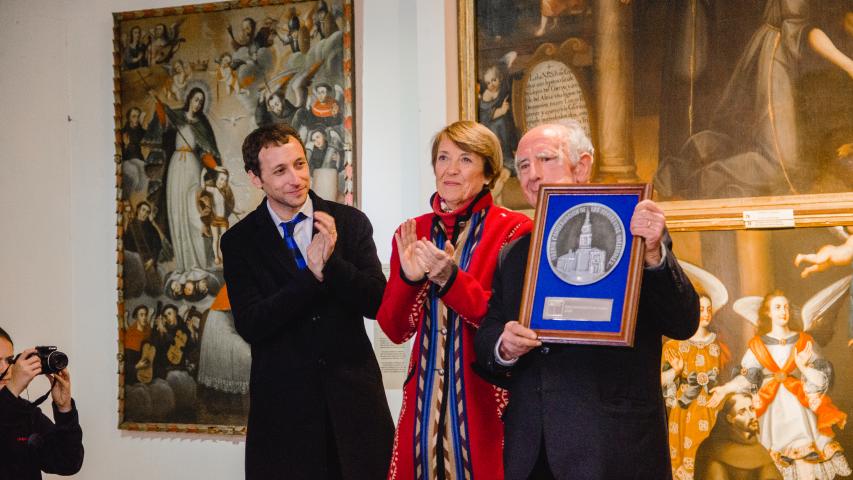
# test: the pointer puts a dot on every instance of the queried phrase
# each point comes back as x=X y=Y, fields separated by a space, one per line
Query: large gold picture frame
x=627 y=37
x=190 y=82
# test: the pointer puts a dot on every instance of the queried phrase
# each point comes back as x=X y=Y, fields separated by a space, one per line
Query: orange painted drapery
x=221 y=301
x=827 y=413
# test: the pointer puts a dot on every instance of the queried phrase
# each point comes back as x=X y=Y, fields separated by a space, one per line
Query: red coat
x=401 y=316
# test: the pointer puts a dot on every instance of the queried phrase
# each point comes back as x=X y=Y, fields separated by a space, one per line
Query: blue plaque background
x=612 y=286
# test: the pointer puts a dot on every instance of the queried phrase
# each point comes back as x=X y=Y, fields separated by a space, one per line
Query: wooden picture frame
x=190 y=83
x=630 y=66
x=584 y=268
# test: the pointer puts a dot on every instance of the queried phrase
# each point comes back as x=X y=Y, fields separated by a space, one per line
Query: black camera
x=52 y=360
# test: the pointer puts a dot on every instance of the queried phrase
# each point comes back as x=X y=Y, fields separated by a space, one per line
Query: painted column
x=614 y=66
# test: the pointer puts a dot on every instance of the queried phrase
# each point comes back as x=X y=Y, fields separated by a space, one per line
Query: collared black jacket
x=311 y=357
x=599 y=409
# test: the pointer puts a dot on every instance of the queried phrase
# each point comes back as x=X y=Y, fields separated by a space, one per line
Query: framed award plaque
x=582 y=282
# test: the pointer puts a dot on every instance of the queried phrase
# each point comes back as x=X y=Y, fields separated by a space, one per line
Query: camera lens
x=56 y=361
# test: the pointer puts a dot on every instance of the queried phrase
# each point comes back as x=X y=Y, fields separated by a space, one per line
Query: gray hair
x=577 y=139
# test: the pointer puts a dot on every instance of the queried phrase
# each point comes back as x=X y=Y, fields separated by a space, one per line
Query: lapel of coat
x=319 y=205
x=268 y=239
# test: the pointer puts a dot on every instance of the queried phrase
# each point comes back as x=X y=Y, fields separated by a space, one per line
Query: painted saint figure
x=194 y=148
x=732 y=450
x=752 y=147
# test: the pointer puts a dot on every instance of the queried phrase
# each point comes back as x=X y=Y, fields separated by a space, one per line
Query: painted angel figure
x=165 y=41
x=792 y=379
x=689 y=370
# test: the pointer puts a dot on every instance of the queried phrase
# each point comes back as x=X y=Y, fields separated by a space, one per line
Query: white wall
x=35 y=183
x=57 y=193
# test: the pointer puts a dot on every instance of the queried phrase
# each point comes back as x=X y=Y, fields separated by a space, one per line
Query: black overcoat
x=599 y=409
x=312 y=361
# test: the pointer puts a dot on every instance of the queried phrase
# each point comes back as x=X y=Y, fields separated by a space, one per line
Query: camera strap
x=42 y=398
x=39 y=400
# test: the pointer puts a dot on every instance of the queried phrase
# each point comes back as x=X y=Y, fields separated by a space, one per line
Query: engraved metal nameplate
x=578 y=309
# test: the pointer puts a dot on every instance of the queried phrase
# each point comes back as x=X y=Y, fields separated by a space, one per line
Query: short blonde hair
x=476 y=138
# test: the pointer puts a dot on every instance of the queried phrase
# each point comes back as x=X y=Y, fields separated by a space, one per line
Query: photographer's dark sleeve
x=60 y=448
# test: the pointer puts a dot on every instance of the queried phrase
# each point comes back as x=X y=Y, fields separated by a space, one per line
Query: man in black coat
x=584 y=412
x=302 y=273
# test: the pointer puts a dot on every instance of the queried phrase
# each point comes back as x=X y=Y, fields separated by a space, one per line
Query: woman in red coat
x=441 y=275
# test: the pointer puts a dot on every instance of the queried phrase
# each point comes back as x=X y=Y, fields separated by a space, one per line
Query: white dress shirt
x=303 y=230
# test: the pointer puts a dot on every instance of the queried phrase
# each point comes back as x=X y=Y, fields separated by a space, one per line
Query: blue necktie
x=287 y=228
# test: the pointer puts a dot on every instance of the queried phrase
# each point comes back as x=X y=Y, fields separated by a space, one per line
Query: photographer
x=29 y=442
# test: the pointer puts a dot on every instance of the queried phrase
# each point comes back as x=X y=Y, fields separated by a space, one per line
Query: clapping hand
x=438 y=264
x=322 y=245
x=406 y=238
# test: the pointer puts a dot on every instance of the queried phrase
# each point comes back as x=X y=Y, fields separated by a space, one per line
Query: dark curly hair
x=276 y=134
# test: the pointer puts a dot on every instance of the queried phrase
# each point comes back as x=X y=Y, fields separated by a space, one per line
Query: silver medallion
x=586 y=243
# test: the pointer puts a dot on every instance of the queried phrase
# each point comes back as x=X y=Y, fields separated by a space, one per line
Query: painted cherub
x=178 y=80
x=226 y=74
x=221 y=202
x=827 y=256
x=830 y=256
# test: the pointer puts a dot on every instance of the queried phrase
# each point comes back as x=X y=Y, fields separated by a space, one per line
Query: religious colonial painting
x=707 y=99
x=763 y=385
x=190 y=83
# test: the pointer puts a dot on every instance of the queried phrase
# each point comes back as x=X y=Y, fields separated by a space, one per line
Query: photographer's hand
x=25 y=369
x=61 y=390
